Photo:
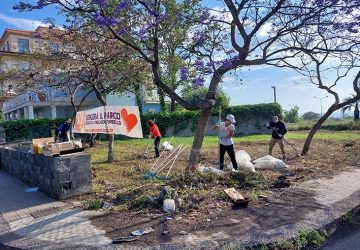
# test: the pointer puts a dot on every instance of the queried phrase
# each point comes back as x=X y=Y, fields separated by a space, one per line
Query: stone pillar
x=31 y=112
x=26 y=113
x=18 y=113
x=53 y=112
x=13 y=115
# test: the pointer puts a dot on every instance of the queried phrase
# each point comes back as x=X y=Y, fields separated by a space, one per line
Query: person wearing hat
x=278 y=131
x=64 y=130
x=227 y=129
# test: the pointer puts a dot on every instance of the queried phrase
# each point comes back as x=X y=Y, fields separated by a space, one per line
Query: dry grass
x=330 y=152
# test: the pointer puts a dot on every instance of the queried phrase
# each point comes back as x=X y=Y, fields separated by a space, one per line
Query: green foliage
x=312 y=238
x=292 y=115
x=28 y=129
x=311 y=115
x=259 y=111
x=251 y=180
x=351 y=219
x=94 y=204
x=198 y=96
x=143 y=201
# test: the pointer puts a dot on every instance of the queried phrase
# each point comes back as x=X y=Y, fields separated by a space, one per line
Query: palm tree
x=355 y=104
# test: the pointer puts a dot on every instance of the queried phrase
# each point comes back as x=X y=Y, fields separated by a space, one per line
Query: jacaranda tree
x=238 y=33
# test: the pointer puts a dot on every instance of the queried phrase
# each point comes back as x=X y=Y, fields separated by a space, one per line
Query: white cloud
x=22 y=23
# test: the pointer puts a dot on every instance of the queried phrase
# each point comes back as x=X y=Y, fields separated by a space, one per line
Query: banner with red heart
x=130 y=120
x=124 y=120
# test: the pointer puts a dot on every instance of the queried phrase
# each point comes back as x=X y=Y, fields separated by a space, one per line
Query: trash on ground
x=243 y=161
x=169 y=205
x=108 y=204
x=31 y=189
x=165 y=232
x=269 y=162
x=183 y=232
x=281 y=182
x=208 y=220
x=142 y=232
x=210 y=170
x=166 y=146
x=168 y=218
x=125 y=239
x=234 y=195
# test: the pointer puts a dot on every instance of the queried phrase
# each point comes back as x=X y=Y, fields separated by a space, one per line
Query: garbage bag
x=272 y=163
x=243 y=161
x=166 y=146
x=210 y=170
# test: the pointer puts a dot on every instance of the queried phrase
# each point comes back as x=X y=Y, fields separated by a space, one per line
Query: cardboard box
x=55 y=148
x=36 y=148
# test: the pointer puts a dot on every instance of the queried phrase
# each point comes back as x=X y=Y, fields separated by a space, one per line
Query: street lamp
x=274 y=87
x=321 y=98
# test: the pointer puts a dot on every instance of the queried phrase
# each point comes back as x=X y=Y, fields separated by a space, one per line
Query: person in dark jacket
x=64 y=130
x=278 y=131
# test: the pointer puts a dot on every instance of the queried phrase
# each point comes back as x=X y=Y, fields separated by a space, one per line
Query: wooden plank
x=234 y=195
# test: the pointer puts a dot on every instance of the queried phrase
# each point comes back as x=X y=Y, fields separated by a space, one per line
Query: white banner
x=124 y=120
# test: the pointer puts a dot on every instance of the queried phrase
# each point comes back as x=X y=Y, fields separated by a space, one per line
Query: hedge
x=180 y=119
x=28 y=129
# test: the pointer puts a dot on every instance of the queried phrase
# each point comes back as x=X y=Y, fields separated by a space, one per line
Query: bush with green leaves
x=292 y=115
x=28 y=129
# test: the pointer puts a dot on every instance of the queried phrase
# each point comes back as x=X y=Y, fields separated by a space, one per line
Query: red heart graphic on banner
x=130 y=120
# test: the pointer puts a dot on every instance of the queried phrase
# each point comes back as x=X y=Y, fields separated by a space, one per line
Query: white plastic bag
x=166 y=146
x=243 y=161
x=269 y=162
x=210 y=170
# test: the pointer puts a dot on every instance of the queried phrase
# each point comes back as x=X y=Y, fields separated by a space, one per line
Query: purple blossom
x=227 y=63
x=197 y=83
x=184 y=74
x=199 y=37
x=122 y=32
x=100 y=20
x=121 y=6
x=205 y=16
x=199 y=64
x=102 y=3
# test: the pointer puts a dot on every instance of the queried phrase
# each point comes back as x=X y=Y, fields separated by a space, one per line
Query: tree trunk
x=356 y=112
x=111 y=149
x=315 y=128
x=161 y=99
x=173 y=105
x=198 y=139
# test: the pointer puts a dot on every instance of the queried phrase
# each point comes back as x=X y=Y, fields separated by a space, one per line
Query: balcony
x=43 y=97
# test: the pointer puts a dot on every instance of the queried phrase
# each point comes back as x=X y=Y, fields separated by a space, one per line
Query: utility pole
x=321 y=98
x=274 y=87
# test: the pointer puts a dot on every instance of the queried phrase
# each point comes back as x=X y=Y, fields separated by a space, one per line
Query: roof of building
x=40 y=32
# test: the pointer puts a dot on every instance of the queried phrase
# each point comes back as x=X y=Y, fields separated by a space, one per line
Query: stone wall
x=246 y=127
x=58 y=177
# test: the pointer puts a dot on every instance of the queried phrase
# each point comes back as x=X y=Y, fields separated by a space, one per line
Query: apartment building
x=17 y=48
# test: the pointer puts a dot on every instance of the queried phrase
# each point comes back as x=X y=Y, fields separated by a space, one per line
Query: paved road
x=344 y=238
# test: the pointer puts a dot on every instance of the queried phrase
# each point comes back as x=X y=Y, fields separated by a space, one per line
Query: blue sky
x=257 y=81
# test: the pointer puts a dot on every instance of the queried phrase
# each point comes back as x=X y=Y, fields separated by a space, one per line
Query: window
x=6 y=47
x=54 y=48
x=23 y=45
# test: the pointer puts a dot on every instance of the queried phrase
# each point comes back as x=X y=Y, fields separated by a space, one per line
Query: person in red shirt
x=156 y=135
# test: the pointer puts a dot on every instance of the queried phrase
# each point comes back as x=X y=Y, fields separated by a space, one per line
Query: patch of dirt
x=204 y=206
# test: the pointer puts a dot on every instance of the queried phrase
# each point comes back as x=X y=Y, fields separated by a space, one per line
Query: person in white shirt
x=226 y=133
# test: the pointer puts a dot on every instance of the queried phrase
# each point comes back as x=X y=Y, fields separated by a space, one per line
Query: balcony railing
x=47 y=94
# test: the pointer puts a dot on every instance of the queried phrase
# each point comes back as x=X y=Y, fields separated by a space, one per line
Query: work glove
x=280 y=135
x=267 y=125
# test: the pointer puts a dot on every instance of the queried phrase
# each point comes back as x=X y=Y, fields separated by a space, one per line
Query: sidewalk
x=34 y=221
